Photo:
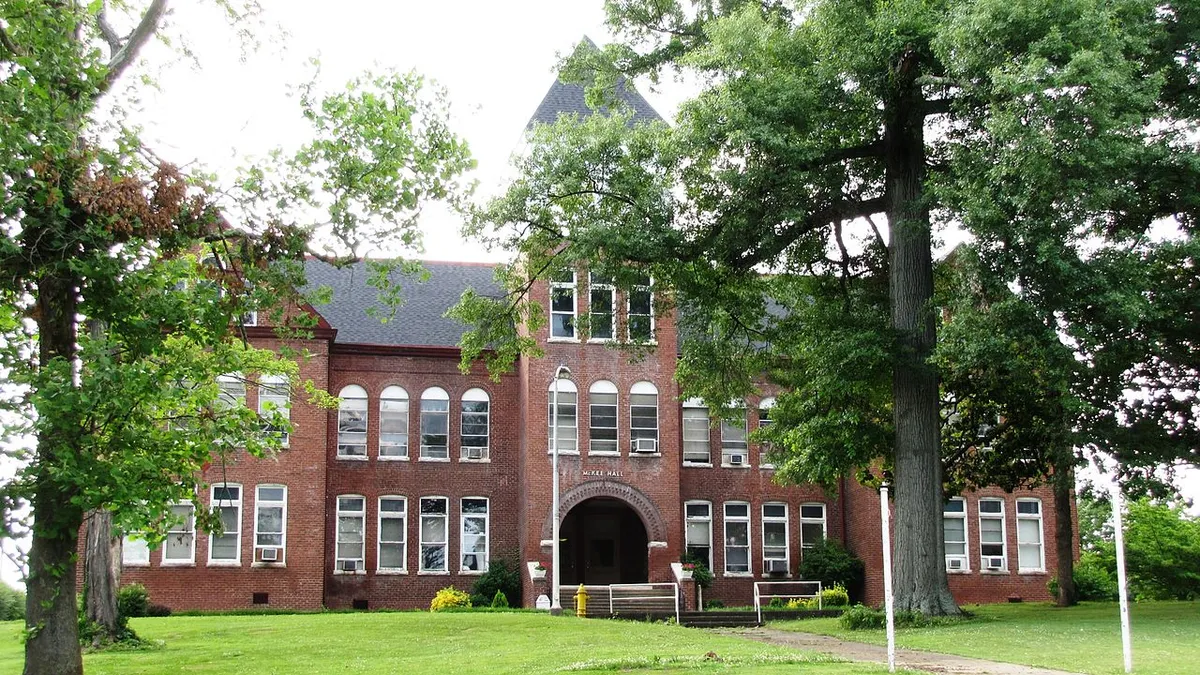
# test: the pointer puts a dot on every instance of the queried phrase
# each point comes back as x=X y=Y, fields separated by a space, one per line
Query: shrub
x=700 y=572
x=1093 y=580
x=502 y=575
x=449 y=597
x=837 y=596
x=859 y=617
x=133 y=601
x=831 y=564
x=714 y=604
x=499 y=601
x=158 y=610
x=12 y=603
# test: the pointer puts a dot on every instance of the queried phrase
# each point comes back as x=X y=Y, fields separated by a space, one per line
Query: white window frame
x=361 y=516
x=432 y=395
x=444 y=543
x=1002 y=517
x=689 y=424
x=764 y=421
x=749 y=546
x=706 y=520
x=463 y=516
x=565 y=387
x=401 y=516
x=787 y=537
x=597 y=284
x=823 y=521
x=135 y=551
x=232 y=390
x=275 y=389
x=734 y=440
x=648 y=289
x=261 y=503
x=394 y=405
x=1040 y=543
x=475 y=395
x=354 y=404
x=604 y=388
x=237 y=534
x=572 y=287
x=965 y=557
x=184 y=528
x=643 y=388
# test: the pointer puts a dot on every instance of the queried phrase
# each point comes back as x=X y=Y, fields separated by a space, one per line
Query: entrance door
x=604 y=542
x=603 y=550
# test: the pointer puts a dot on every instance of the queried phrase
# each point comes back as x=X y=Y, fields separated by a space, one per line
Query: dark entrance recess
x=604 y=542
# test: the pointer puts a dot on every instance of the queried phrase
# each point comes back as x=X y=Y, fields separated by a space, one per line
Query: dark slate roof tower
x=566 y=99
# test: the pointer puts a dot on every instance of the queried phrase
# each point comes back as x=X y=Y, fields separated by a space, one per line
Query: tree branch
x=128 y=52
x=107 y=31
x=9 y=44
x=842 y=210
x=937 y=106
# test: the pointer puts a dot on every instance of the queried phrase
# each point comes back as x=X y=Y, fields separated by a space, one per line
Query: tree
x=126 y=418
x=1027 y=123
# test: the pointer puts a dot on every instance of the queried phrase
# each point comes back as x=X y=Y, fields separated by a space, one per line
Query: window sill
x=735 y=466
x=393 y=458
x=169 y=563
x=645 y=454
x=564 y=453
x=344 y=573
x=777 y=576
x=433 y=459
x=268 y=565
x=568 y=340
x=390 y=573
x=472 y=573
x=135 y=564
x=601 y=341
x=1031 y=572
x=768 y=467
x=224 y=563
x=485 y=460
x=961 y=571
x=698 y=465
x=738 y=575
x=604 y=453
x=353 y=458
x=433 y=573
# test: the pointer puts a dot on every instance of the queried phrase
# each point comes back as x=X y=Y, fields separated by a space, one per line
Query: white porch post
x=562 y=372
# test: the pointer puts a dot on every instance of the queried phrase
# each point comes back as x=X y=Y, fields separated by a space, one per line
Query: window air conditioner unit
x=995 y=562
x=777 y=567
x=474 y=453
x=645 y=445
x=954 y=563
x=269 y=555
x=349 y=565
x=737 y=459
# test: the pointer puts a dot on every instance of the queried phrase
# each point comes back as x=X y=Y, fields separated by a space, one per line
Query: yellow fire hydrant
x=581 y=598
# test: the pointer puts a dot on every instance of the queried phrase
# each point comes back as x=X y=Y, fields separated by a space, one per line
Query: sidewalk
x=905 y=658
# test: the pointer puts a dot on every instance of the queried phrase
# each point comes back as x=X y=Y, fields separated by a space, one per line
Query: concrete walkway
x=905 y=658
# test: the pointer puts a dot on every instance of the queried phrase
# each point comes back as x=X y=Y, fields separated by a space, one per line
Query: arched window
x=602 y=399
x=565 y=404
x=643 y=417
x=352 y=422
x=393 y=423
x=695 y=432
x=476 y=424
x=435 y=424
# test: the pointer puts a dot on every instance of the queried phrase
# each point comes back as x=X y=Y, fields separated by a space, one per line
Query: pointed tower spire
x=564 y=99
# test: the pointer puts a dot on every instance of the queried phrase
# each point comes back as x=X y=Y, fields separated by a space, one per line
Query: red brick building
x=425 y=474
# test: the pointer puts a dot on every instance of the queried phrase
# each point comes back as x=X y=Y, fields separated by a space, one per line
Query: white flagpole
x=885 y=515
x=1118 y=529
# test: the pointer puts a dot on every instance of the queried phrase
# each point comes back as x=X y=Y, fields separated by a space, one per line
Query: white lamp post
x=885 y=517
x=562 y=373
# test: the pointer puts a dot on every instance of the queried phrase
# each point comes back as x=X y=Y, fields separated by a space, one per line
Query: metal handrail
x=613 y=587
x=758 y=596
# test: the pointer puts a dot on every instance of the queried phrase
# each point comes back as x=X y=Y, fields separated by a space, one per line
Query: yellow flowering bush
x=449 y=597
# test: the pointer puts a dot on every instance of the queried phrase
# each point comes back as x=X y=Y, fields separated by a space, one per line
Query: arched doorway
x=604 y=542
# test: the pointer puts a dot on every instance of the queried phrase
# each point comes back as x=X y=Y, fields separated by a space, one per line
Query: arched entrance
x=604 y=542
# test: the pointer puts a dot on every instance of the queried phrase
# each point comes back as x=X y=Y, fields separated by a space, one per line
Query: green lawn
x=420 y=642
x=1084 y=639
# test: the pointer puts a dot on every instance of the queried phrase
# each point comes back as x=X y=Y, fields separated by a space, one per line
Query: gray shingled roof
x=418 y=321
x=566 y=98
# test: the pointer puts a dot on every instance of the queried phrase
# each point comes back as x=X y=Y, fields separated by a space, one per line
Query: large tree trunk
x=102 y=572
x=1064 y=535
x=51 y=618
x=920 y=573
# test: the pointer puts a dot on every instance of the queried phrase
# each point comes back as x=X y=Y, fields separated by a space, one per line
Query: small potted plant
x=688 y=568
x=537 y=571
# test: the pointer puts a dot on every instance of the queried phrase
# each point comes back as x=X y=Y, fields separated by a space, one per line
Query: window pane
x=697 y=510
x=697 y=533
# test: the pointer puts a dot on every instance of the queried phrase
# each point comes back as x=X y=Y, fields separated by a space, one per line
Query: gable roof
x=419 y=321
x=565 y=99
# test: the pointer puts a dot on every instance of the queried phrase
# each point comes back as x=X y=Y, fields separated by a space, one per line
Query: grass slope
x=419 y=642
x=1083 y=639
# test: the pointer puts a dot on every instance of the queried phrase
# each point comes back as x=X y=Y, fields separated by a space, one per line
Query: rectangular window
x=270 y=523
x=601 y=309
x=180 y=547
x=393 y=524
x=775 y=538
x=273 y=405
x=737 y=538
x=604 y=422
x=698 y=517
x=393 y=426
x=232 y=391
x=1030 y=551
x=135 y=551
x=643 y=418
x=351 y=524
x=812 y=525
x=227 y=501
x=562 y=306
x=568 y=429
x=764 y=421
x=474 y=534
x=435 y=428
x=992 y=549
x=954 y=534
x=695 y=435
x=434 y=512
x=641 y=312
x=475 y=429
x=733 y=442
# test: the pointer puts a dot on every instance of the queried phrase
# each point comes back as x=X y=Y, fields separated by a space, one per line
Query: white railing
x=806 y=588
x=632 y=594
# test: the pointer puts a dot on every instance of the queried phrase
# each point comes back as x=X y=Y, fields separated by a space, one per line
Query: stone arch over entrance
x=656 y=529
